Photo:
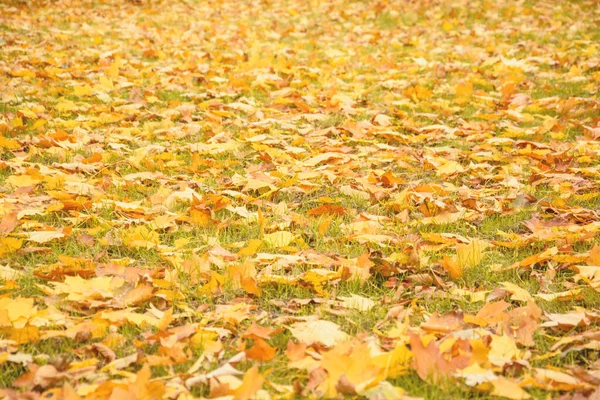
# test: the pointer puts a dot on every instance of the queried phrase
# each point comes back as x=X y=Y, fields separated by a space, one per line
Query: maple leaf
x=261 y=351
x=16 y=312
x=429 y=361
x=350 y=369
x=140 y=236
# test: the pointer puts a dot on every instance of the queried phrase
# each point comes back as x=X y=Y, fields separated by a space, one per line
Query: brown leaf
x=106 y=352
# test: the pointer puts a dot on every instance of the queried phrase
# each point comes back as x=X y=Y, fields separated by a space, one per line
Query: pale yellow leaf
x=278 y=239
x=319 y=331
x=44 y=236
x=357 y=302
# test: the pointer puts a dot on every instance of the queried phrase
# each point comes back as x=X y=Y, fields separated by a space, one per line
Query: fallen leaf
x=318 y=331
x=278 y=239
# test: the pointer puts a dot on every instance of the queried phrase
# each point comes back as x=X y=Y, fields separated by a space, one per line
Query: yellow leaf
x=470 y=255
x=140 y=236
x=39 y=123
x=26 y=334
x=10 y=144
x=464 y=90
x=447 y=26
x=506 y=388
x=251 y=249
x=181 y=243
x=547 y=125
x=113 y=71
x=23 y=73
x=23 y=180
x=449 y=168
x=503 y=350
x=84 y=90
x=55 y=207
x=350 y=369
x=278 y=239
x=214 y=285
x=78 y=289
x=16 y=312
x=394 y=362
x=139 y=294
x=518 y=293
x=324 y=225
x=261 y=223
x=28 y=113
x=568 y=295
x=474 y=374
x=65 y=106
x=9 y=245
x=17 y=122
x=317 y=277
x=104 y=84
x=556 y=380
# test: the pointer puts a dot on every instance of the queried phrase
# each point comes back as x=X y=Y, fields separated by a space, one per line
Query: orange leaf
x=251 y=384
x=250 y=286
x=452 y=267
x=200 y=216
x=94 y=158
x=327 y=209
x=141 y=293
x=324 y=225
x=260 y=332
x=261 y=351
x=429 y=363
x=28 y=334
x=295 y=351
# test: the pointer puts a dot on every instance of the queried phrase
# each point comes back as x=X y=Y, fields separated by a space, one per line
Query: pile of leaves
x=279 y=199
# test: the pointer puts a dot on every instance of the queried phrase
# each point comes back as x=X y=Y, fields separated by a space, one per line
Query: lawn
x=292 y=199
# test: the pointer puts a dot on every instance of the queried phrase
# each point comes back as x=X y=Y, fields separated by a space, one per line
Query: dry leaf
x=318 y=331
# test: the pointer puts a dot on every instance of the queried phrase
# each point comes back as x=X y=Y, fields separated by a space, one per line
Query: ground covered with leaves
x=291 y=199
